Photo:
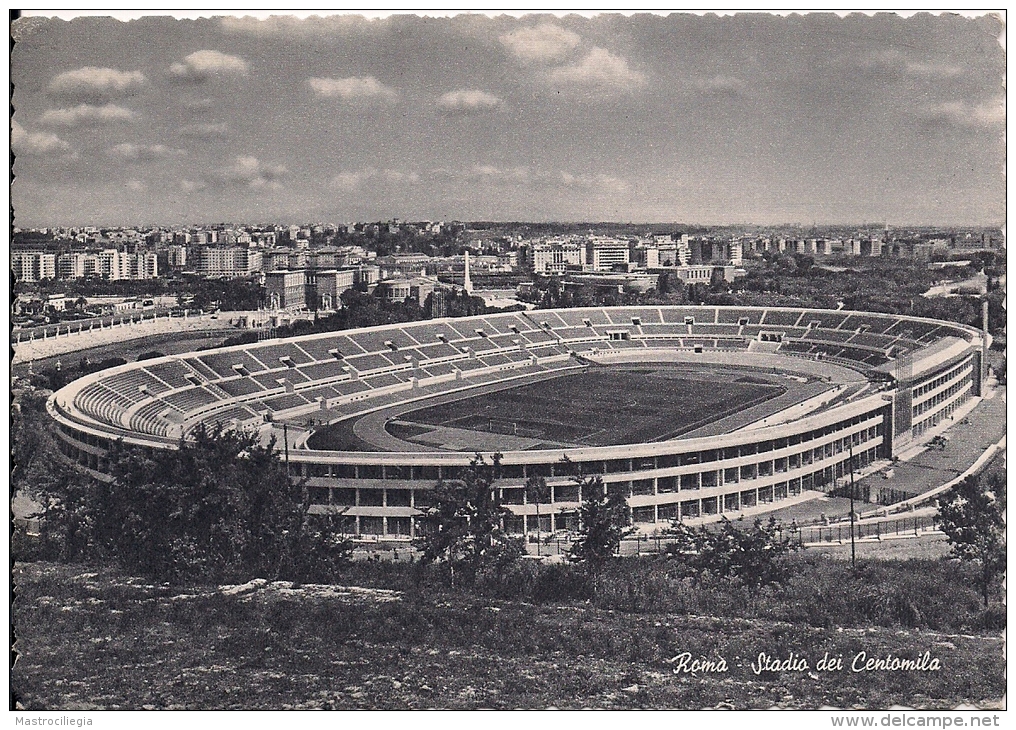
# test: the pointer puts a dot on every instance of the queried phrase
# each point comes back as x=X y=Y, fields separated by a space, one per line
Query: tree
x=60 y=493
x=753 y=556
x=219 y=508
x=465 y=523
x=536 y=492
x=972 y=515
x=604 y=520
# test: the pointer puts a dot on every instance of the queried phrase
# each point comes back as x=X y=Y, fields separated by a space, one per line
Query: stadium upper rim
x=157 y=402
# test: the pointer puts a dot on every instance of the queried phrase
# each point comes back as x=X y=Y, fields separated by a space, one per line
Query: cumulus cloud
x=96 y=85
x=541 y=43
x=599 y=68
x=208 y=130
x=251 y=172
x=201 y=66
x=962 y=114
x=467 y=102
x=351 y=180
x=143 y=152
x=348 y=89
x=24 y=142
x=83 y=114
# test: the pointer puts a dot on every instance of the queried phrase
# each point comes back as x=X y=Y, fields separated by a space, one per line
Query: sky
x=747 y=118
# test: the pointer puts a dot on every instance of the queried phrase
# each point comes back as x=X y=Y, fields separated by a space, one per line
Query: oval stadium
x=696 y=411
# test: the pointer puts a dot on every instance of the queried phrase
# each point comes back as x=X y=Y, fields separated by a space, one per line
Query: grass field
x=602 y=407
x=94 y=639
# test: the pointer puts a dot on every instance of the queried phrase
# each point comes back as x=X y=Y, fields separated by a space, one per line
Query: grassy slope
x=99 y=641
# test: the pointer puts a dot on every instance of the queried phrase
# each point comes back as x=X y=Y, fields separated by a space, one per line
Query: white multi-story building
x=109 y=266
x=33 y=265
x=112 y=264
x=229 y=262
x=176 y=256
x=140 y=265
x=556 y=255
x=603 y=254
x=72 y=265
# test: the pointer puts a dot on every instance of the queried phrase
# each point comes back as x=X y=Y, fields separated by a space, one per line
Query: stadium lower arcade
x=716 y=410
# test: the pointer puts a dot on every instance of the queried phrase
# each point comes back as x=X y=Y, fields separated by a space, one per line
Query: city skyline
x=701 y=119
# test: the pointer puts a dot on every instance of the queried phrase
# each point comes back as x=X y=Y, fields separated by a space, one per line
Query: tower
x=467 y=285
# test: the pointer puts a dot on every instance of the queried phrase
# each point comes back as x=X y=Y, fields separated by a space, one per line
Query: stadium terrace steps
x=243 y=379
x=734 y=316
x=828 y=335
x=715 y=329
x=681 y=314
x=780 y=318
x=240 y=387
x=172 y=373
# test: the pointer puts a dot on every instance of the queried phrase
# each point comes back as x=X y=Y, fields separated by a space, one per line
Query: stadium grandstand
x=817 y=388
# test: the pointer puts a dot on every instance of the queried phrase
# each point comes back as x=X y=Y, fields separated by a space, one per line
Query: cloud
x=600 y=68
x=87 y=114
x=396 y=176
x=96 y=85
x=892 y=61
x=488 y=174
x=138 y=186
x=541 y=43
x=521 y=176
x=962 y=114
x=208 y=130
x=202 y=104
x=719 y=84
x=201 y=66
x=933 y=70
x=24 y=142
x=143 y=152
x=596 y=184
x=246 y=171
x=366 y=87
x=279 y=26
x=468 y=102
x=251 y=172
x=351 y=180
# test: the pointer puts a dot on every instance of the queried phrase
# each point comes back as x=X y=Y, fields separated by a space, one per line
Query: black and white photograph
x=508 y=360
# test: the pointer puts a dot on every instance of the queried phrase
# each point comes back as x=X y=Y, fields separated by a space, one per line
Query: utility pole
x=853 y=549
x=285 y=441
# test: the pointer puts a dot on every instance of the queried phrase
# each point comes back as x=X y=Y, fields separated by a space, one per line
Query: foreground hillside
x=97 y=640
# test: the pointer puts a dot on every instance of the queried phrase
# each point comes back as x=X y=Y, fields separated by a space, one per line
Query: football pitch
x=603 y=407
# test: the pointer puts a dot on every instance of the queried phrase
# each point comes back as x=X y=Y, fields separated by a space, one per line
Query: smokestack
x=984 y=316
